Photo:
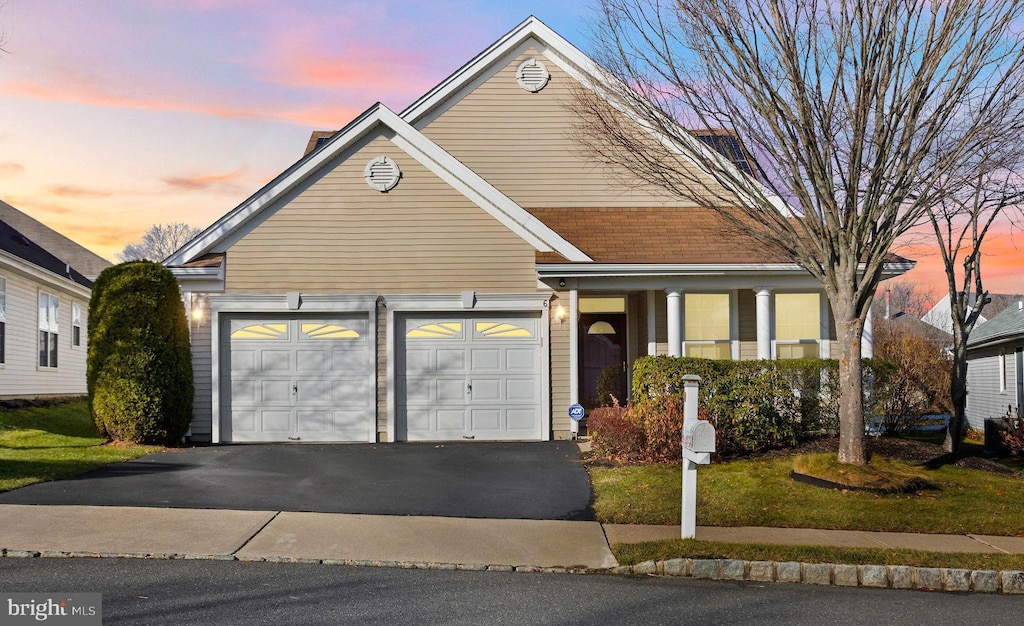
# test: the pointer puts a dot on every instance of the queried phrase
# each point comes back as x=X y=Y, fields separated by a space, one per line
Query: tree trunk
x=957 y=394
x=851 y=397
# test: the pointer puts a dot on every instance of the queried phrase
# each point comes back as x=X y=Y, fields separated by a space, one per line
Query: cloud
x=71 y=191
x=206 y=181
x=11 y=169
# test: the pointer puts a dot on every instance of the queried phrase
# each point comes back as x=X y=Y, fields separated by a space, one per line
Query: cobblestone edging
x=871 y=576
x=874 y=576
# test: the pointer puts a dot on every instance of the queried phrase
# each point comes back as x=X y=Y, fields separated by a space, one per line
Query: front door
x=602 y=350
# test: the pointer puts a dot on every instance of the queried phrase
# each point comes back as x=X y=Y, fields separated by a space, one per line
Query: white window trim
x=734 y=325
x=1002 y=370
x=76 y=323
x=822 y=341
x=52 y=327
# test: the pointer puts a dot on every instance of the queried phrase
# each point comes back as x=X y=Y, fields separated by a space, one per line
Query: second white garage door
x=468 y=377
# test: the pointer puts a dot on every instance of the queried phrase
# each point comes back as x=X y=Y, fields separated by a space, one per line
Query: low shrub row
x=754 y=405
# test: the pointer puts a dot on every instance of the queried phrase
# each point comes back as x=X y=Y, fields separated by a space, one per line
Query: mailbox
x=698 y=436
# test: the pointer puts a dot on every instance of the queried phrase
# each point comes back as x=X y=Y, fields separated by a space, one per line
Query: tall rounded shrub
x=139 y=370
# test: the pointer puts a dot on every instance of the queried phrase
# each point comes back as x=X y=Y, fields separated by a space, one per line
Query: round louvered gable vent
x=532 y=75
x=382 y=173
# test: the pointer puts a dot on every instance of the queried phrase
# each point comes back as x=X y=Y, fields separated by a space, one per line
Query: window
x=706 y=329
x=3 y=320
x=1002 y=371
x=76 y=324
x=48 y=308
x=797 y=325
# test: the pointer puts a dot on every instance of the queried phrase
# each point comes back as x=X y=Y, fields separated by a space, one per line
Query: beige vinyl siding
x=561 y=368
x=202 y=372
x=520 y=142
x=20 y=375
x=341 y=236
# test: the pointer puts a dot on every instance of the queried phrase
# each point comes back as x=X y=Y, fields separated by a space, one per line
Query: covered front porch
x=603 y=319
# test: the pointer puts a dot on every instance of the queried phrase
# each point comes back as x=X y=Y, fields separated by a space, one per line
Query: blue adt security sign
x=576 y=412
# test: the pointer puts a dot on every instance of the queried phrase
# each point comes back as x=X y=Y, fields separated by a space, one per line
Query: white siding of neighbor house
x=20 y=375
x=202 y=373
x=984 y=398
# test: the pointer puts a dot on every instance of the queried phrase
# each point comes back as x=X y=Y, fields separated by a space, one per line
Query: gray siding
x=984 y=397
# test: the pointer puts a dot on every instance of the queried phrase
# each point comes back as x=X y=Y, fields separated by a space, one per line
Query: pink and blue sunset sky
x=119 y=114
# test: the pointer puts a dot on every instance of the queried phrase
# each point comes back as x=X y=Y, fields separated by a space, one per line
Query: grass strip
x=632 y=553
x=44 y=443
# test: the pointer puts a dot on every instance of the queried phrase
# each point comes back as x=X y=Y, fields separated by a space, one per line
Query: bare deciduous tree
x=159 y=242
x=991 y=189
x=841 y=102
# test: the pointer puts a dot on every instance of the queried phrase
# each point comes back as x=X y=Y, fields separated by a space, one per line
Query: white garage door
x=298 y=380
x=468 y=377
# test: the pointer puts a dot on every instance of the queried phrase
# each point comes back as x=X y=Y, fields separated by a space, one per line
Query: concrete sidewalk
x=272 y=535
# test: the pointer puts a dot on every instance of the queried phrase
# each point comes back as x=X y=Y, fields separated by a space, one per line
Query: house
x=995 y=366
x=939 y=315
x=463 y=270
x=44 y=309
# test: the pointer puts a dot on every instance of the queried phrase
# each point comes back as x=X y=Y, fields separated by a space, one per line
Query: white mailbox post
x=698 y=444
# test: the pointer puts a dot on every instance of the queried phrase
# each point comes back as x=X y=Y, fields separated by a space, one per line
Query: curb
x=835 y=574
x=823 y=574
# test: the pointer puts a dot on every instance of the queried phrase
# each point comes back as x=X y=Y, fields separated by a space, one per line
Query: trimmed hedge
x=139 y=368
x=754 y=405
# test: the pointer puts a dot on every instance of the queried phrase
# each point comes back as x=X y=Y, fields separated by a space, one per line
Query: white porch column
x=764 y=322
x=867 y=339
x=652 y=328
x=574 y=343
x=675 y=318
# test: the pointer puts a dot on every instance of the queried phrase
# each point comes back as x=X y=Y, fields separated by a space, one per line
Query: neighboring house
x=939 y=315
x=995 y=366
x=85 y=261
x=463 y=270
x=44 y=310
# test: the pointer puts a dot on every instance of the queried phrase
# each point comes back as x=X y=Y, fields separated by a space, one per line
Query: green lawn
x=38 y=444
x=761 y=493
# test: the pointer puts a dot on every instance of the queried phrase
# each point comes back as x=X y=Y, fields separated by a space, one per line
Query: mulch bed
x=920 y=452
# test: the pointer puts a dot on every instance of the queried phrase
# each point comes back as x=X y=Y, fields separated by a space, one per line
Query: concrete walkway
x=272 y=535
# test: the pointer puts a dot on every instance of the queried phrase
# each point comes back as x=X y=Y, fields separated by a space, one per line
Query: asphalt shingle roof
x=17 y=244
x=1007 y=325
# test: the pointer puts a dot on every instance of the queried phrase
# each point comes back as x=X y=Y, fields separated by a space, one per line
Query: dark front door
x=602 y=359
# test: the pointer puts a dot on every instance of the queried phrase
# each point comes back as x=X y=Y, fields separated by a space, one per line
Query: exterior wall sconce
x=561 y=282
x=197 y=311
x=560 y=314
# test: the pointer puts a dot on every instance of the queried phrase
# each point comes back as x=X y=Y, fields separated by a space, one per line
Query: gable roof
x=17 y=244
x=1005 y=326
x=55 y=244
x=419 y=147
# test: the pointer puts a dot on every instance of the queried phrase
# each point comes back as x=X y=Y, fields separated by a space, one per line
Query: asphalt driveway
x=464 y=479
